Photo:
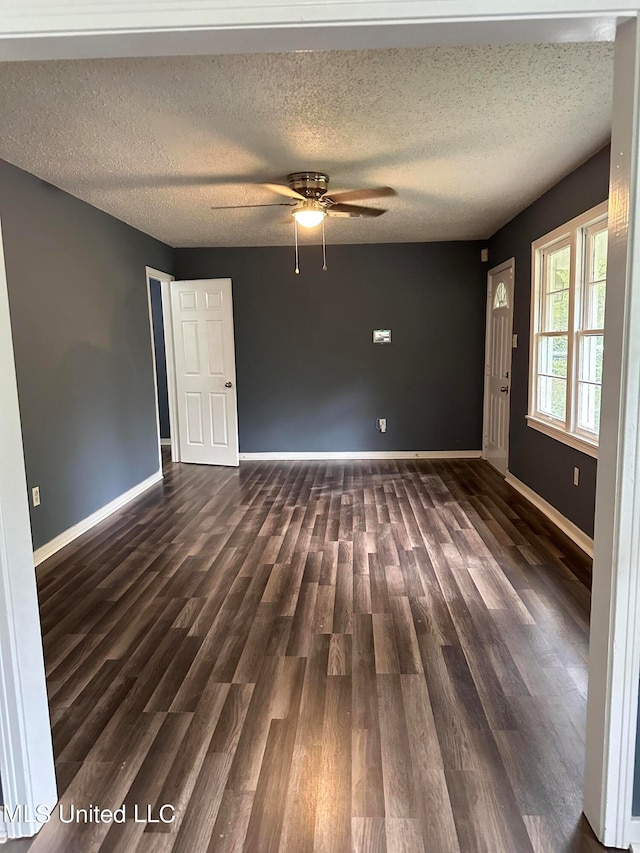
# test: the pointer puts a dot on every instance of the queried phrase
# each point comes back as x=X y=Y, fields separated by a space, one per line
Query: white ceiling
x=468 y=136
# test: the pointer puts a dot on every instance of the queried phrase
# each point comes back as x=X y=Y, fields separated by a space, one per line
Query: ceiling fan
x=310 y=201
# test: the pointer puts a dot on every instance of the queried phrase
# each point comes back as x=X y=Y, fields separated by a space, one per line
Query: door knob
x=504 y=389
x=228 y=385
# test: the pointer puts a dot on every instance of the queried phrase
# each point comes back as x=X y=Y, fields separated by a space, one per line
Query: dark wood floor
x=320 y=657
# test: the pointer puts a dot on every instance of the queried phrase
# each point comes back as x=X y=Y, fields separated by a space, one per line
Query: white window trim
x=569 y=438
x=567 y=434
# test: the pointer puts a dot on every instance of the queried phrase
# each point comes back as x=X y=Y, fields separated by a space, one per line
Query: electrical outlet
x=35 y=495
x=381 y=424
x=576 y=476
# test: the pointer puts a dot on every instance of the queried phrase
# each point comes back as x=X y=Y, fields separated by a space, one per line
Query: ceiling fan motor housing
x=311 y=185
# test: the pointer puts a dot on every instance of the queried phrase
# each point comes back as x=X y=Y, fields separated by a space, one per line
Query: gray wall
x=309 y=376
x=77 y=292
x=544 y=464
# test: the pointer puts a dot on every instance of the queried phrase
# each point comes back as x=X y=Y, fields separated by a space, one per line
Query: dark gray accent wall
x=79 y=312
x=310 y=378
x=159 y=347
x=544 y=464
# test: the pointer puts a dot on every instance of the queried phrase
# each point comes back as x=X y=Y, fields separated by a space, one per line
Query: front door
x=498 y=366
x=205 y=371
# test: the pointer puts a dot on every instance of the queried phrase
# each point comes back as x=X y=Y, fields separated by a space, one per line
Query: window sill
x=575 y=441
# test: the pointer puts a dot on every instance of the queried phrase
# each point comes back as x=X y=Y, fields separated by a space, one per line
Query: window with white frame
x=567 y=327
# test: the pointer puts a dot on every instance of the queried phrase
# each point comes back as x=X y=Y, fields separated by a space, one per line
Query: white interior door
x=205 y=371
x=498 y=366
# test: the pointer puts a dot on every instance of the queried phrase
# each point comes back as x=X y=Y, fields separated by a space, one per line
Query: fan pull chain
x=324 y=249
x=295 y=231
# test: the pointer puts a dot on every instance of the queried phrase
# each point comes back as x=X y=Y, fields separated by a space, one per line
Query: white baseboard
x=572 y=530
x=46 y=551
x=634 y=834
x=165 y=442
x=308 y=455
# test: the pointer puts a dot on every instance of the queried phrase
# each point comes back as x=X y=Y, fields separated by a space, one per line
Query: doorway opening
x=192 y=336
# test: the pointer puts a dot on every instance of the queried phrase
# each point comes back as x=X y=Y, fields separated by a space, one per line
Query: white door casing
x=497 y=385
x=205 y=371
x=163 y=278
x=26 y=752
x=614 y=650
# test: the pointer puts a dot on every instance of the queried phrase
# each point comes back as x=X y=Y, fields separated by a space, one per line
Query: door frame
x=170 y=352
x=43 y=30
x=26 y=751
x=165 y=280
x=614 y=651
x=487 y=344
x=162 y=277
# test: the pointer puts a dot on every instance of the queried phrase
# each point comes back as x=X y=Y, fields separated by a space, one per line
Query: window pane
x=501 y=299
x=552 y=397
x=589 y=407
x=595 y=305
x=556 y=312
x=595 y=287
x=590 y=366
x=599 y=242
x=553 y=355
x=558 y=269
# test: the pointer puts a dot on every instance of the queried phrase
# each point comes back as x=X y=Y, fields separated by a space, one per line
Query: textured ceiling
x=468 y=136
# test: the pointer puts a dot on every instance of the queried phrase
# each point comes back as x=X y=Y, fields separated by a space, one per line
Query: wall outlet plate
x=35 y=495
x=382 y=336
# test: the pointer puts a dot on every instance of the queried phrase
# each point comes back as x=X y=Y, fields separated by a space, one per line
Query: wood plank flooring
x=326 y=657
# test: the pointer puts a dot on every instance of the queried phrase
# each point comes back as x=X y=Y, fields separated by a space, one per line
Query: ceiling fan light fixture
x=309 y=213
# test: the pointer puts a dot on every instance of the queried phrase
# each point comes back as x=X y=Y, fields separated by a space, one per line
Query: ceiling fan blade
x=354 y=210
x=282 y=189
x=243 y=206
x=360 y=195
